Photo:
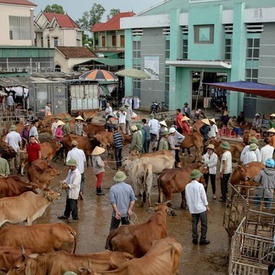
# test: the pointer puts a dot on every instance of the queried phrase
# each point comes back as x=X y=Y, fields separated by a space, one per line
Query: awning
x=199 y=64
x=105 y=61
x=263 y=90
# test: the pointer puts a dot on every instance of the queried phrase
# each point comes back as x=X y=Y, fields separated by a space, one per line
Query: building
x=179 y=39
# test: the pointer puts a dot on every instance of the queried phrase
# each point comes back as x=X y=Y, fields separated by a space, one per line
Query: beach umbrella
x=99 y=75
x=133 y=73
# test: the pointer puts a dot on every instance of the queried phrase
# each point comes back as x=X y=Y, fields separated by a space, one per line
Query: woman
x=78 y=127
x=59 y=137
x=98 y=168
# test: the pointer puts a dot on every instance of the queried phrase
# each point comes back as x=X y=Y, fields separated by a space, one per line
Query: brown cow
x=40 y=238
x=19 y=127
x=137 y=239
x=48 y=120
x=92 y=129
x=175 y=180
x=8 y=151
x=162 y=258
x=88 y=114
x=248 y=134
x=15 y=186
x=56 y=263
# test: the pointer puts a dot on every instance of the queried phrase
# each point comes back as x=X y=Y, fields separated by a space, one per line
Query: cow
x=19 y=127
x=59 y=262
x=40 y=238
x=248 y=134
x=48 y=120
x=41 y=172
x=137 y=239
x=15 y=186
x=26 y=207
x=88 y=115
x=162 y=258
x=8 y=151
x=175 y=180
x=92 y=129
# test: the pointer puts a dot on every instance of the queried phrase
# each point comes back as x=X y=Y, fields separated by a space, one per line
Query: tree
x=54 y=8
x=113 y=12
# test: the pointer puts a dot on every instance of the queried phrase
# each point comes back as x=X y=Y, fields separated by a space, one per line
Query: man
x=154 y=131
x=79 y=156
x=122 y=120
x=14 y=140
x=163 y=143
x=4 y=165
x=205 y=128
x=146 y=129
x=118 y=144
x=122 y=199
x=250 y=155
x=31 y=115
x=72 y=185
x=185 y=125
x=225 y=169
x=54 y=125
x=186 y=111
x=25 y=134
x=33 y=130
x=246 y=148
x=136 y=143
x=129 y=114
x=232 y=125
x=66 y=128
x=271 y=137
x=173 y=146
x=198 y=207
x=33 y=150
x=257 y=123
x=48 y=111
x=78 y=127
x=267 y=151
x=179 y=118
x=271 y=122
x=108 y=110
x=213 y=133
x=10 y=102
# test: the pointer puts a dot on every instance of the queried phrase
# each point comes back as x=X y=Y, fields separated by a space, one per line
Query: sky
x=75 y=8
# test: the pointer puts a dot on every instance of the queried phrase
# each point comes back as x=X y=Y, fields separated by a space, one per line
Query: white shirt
x=54 y=127
x=108 y=111
x=10 y=100
x=73 y=181
x=122 y=117
x=211 y=162
x=246 y=148
x=228 y=158
x=213 y=131
x=249 y=156
x=266 y=153
x=195 y=197
x=79 y=156
x=13 y=138
x=33 y=132
x=154 y=126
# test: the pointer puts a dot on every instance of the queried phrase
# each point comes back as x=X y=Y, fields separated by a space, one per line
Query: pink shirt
x=59 y=133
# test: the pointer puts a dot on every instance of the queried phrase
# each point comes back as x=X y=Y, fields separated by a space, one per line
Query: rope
x=134 y=218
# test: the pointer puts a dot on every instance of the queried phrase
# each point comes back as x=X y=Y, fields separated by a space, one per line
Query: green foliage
x=113 y=12
x=54 y=8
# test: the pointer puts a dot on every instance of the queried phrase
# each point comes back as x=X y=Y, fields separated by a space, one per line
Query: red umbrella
x=99 y=75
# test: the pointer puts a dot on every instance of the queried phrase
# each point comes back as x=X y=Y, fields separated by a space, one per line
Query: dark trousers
x=82 y=183
x=146 y=146
x=224 y=185
x=213 y=182
x=195 y=220
x=118 y=157
x=71 y=207
x=177 y=157
x=115 y=223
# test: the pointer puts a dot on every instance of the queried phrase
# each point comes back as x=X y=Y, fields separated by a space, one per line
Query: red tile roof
x=63 y=20
x=18 y=2
x=76 y=52
x=113 y=24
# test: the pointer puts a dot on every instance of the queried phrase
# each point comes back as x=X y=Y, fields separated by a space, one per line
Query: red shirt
x=33 y=150
x=185 y=128
x=178 y=120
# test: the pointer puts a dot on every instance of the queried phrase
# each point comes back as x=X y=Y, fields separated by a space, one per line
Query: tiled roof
x=113 y=24
x=63 y=20
x=76 y=52
x=18 y=2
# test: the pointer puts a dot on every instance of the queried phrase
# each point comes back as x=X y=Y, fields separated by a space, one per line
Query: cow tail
x=108 y=244
x=159 y=186
x=75 y=241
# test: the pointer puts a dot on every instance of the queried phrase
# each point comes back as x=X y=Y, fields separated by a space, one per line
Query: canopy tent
x=263 y=90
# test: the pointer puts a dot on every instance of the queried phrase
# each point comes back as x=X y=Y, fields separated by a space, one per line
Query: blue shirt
x=121 y=194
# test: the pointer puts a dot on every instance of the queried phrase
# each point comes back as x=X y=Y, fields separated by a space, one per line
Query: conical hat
x=185 y=118
x=79 y=118
x=163 y=123
x=213 y=120
x=272 y=115
x=98 y=151
x=60 y=123
x=206 y=121
x=271 y=130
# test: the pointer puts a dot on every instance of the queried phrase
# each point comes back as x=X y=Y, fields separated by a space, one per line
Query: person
x=179 y=118
x=14 y=140
x=25 y=134
x=17 y=112
x=246 y=148
x=118 y=144
x=79 y=156
x=198 y=206
x=136 y=143
x=4 y=165
x=122 y=120
x=122 y=199
x=33 y=149
x=250 y=155
x=185 y=126
x=205 y=128
x=173 y=146
x=271 y=137
x=225 y=169
x=146 y=129
x=72 y=185
x=154 y=131
x=98 y=168
x=10 y=102
x=142 y=132
x=210 y=160
x=224 y=111
x=48 y=111
x=213 y=133
x=108 y=124
x=33 y=130
x=31 y=115
x=232 y=125
x=266 y=180
x=66 y=128
x=199 y=114
x=59 y=137
x=257 y=123
x=129 y=114
x=54 y=126
x=108 y=111
x=186 y=111
x=240 y=118
x=78 y=126
x=179 y=138
x=266 y=151
x=163 y=143
x=271 y=122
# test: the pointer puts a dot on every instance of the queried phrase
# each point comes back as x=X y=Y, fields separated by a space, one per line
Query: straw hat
x=195 y=174
x=67 y=119
x=185 y=118
x=119 y=176
x=163 y=123
x=212 y=120
x=172 y=130
x=225 y=145
x=253 y=140
x=253 y=147
x=271 y=130
x=206 y=121
x=272 y=115
x=12 y=128
x=257 y=114
x=211 y=146
x=79 y=118
x=71 y=162
x=74 y=143
x=60 y=123
x=98 y=151
x=134 y=128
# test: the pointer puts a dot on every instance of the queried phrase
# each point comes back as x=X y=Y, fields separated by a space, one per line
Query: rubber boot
x=99 y=192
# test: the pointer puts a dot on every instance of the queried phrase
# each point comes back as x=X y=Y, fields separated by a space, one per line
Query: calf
x=40 y=238
x=137 y=239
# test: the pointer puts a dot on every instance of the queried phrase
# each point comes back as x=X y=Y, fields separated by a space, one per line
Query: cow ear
x=83 y=270
x=33 y=256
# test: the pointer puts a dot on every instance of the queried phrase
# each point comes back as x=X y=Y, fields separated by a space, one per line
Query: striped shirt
x=118 y=140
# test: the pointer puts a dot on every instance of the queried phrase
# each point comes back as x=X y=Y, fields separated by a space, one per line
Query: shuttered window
x=20 y=28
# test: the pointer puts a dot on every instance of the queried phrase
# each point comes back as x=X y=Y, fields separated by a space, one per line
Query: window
x=167 y=77
x=122 y=41
x=185 y=48
x=251 y=75
x=103 y=41
x=253 y=49
x=113 y=40
x=42 y=42
x=228 y=49
x=20 y=28
x=136 y=49
x=204 y=34
x=49 y=41
x=167 y=49
x=55 y=41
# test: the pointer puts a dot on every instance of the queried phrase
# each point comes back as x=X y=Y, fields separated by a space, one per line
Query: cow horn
x=23 y=252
